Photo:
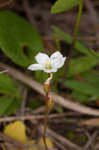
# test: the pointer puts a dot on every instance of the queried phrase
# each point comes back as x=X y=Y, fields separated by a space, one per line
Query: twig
x=2 y=146
x=61 y=139
x=96 y=3
x=84 y=38
x=4 y=4
x=90 y=140
x=12 y=141
x=56 y=98
x=61 y=146
x=4 y=71
x=29 y=117
x=87 y=38
x=39 y=110
x=28 y=12
x=94 y=17
x=22 y=109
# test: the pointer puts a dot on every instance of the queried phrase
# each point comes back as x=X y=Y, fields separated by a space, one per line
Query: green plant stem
x=74 y=37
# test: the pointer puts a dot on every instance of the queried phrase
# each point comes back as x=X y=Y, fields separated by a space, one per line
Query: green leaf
x=83 y=88
x=59 y=109
x=57 y=77
x=8 y=87
x=82 y=64
x=92 y=77
x=78 y=46
x=13 y=107
x=54 y=88
x=15 y=34
x=5 y=102
x=40 y=76
x=35 y=104
x=64 y=5
x=80 y=97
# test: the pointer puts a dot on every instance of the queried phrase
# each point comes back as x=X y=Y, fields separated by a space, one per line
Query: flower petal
x=57 y=60
x=41 y=58
x=49 y=71
x=34 y=67
x=62 y=62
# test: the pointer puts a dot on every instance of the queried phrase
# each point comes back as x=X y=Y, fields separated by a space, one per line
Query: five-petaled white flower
x=48 y=64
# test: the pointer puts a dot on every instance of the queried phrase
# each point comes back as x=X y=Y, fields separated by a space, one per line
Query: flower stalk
x=49 y=65
x=48 y=106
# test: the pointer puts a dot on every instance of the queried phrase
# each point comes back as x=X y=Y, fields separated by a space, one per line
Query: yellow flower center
x=48 y=65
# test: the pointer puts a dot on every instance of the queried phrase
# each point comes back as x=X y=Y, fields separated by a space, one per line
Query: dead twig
x=12 y=141
x=4 y=71
x=39 y=110
x=30 y=117
x=22 y=109
x=94 y=17
x=92 y=138
x=28 y=12
x=84 y=38
x=4 y=4
x=2 y=146
x=59 y=138
x=61 y=146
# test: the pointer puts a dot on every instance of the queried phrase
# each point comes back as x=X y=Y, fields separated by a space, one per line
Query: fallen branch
x=30 y=117
x=56 y=98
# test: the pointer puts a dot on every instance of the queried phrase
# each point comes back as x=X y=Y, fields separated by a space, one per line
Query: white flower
x=48 y=64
